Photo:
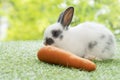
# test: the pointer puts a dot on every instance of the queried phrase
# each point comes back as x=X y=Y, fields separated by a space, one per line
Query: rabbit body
x=88 y=39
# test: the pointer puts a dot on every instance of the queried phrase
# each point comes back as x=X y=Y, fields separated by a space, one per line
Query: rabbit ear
x=65 y=17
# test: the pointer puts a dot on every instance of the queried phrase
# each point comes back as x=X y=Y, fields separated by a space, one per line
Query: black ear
x=65 y=17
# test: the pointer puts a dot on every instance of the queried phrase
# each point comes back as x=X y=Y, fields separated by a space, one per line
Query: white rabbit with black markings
x=89 y=39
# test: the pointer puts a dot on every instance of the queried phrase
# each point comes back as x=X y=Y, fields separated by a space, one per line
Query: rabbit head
x=55 y=32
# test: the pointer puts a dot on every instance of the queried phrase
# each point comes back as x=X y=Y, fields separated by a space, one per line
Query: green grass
x=18 y=61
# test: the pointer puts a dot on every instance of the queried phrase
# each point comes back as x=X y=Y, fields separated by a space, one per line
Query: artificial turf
x=18 y=61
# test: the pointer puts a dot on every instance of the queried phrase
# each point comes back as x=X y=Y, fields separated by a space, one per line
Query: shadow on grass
x=108 y=61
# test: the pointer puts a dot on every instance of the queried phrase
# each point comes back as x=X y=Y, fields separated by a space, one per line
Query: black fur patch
x=110 y=40
x=102 y=36
x=108 y=44
x=105 y=49
x=56 y=33
x=61 y=36
x=91 y=45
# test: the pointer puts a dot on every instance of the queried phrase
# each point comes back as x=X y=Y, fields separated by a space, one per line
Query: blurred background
x=27 y=19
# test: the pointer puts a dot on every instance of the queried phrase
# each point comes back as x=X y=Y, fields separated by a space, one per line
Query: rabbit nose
x=48 y=41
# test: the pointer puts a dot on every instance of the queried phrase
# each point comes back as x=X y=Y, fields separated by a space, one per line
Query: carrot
x=55 y=55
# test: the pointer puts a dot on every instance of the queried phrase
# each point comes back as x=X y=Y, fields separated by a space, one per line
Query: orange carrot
x=55 y=55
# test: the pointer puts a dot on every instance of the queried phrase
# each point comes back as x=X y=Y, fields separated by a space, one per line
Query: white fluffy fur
x=76 y=40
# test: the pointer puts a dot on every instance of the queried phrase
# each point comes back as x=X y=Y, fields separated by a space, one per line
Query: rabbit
x=89 y=40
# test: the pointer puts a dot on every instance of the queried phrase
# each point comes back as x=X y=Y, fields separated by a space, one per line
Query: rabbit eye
x=56 y=33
